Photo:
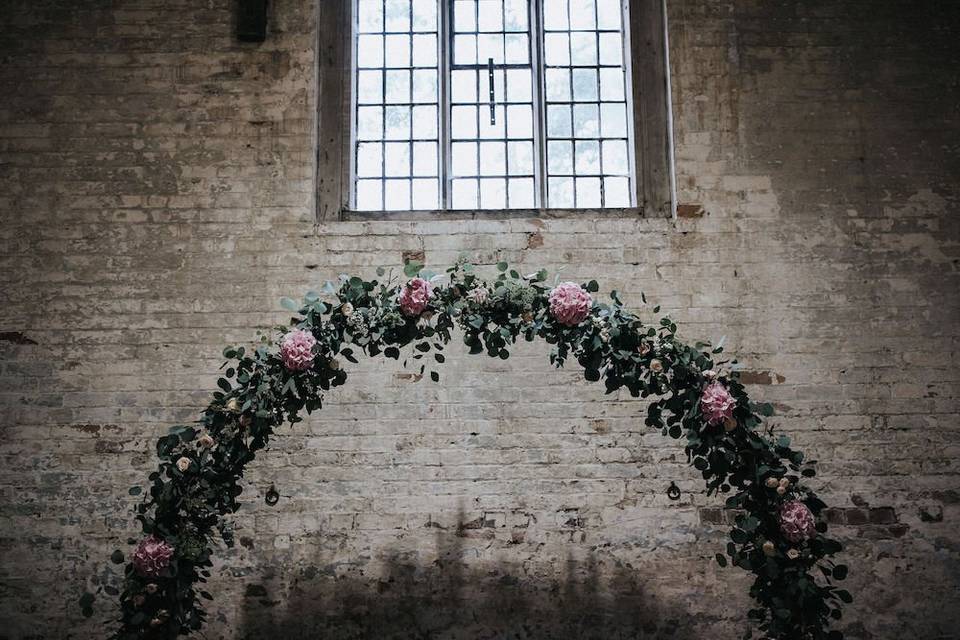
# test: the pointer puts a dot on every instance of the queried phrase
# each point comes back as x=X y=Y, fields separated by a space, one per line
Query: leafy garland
x=777 y=535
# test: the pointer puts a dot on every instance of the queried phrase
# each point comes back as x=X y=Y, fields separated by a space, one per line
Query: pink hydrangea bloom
x=296 y=349
x=716 y=403
x=570 y=304
x=415 y=296
x=797 y=522
x=152 y=556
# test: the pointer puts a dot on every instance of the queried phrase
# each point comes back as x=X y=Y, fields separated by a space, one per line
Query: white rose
x=183 y=464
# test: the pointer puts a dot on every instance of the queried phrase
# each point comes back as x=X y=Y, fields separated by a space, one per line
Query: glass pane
x=613 y=120
x=426 y=194
x=489 y=15
x=464 y=158
x=463 y=122
x=517 y=48
x=558 y=84
x=519 y=85
x=520 y=121
x=464 y=49
x=611 y=84
x=369 y=123
x=398 y=15
x=493 y=193
x=424 y=158
x=584 y=85
x=560 y=192
x=555 y=15
x=558 y=121
x=487 y=130
x=608 y=14
x=464 y=194
x=521 y=193
x=582 y=14
x=425 y=50
x=520 y=158
x=398 y=87
x=489 y=46
x=516 y=15
x=425 y=122
x=369 y=51
x=397 y=51
x=396 y=195
x=616 y=192
x=615 y=157
x=588 y=192
x=424 y=15
x=588 y=157
x=369 y=159
x=370 y=16
x=560 y=157
x=464 y=16
x=397 y=123
x=611 y=49
x=492 y=159
x=396 y=159
x=424 y=85
x=369 y=195
x=464 y=86
x=556 y=49
x=583 y=48
x=369 y=87
x=586 y=121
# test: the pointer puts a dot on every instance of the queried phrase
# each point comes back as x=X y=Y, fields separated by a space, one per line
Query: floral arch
x=778 y=534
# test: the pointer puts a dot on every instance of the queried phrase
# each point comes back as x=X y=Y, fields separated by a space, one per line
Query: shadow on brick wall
x=451 y=600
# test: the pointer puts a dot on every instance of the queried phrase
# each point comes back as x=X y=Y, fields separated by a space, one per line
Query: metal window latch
x=493 y=111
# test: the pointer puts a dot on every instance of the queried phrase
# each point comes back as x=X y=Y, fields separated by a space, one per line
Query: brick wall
x=156 y=202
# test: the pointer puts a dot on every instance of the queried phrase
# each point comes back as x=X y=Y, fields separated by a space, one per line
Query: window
x=492 y=105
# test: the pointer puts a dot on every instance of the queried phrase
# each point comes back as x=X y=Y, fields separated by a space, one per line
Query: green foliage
x=189 y=508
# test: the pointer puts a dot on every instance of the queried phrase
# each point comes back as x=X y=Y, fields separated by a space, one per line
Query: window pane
x=424 y=85
x=560 y=192
x=611 y=84
x=493 y=193
x=608 y=14
x=369 y=51
x=489 y=15
x=397 y=158
x=492 y=159
x=464 y=86
x=584 y=84
x=583 y=48
x=464 y=15
x=560 y=157
x=520 y=193
x=558 y=84
x=611 y=49
x=426 y=194
x=398 y=87
x=517 y=49
x=515 y=15
x=369 y=123
x=487 y=130
x=582 y=14
x=588 y=192
x=370 y=16
x=424 y=15
x=464 y=158
x=465 y=194
x=588 y=157
x=520 y=158
x=369 y=87
x=558 y=121
x=425 y=158
x=425 y=122
x=586 y=121
x=369 y=159
x=463 y=123
x=396 y=195
x=616 y=192
x=555 y=15
x=489 y=46
x=369 y=195
x=520 y=121
x=397 y=50
x=613 y=120
x=556 y=49
x=464 y=49
x=398 y=15
x=425 y=50
x=519 y=85
x=397 y=123
x=615 y=157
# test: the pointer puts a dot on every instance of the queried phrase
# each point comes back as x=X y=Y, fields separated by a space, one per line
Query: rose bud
x=656 y=366
x=769 y=548
x=183 y=464
x=206 y=441
x=772 y=483
x=781 y=490
x=346 y=309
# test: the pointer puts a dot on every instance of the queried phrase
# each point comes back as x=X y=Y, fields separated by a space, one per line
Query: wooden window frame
x=652 y=121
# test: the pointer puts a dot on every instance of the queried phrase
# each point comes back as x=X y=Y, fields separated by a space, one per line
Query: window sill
x=497 y=214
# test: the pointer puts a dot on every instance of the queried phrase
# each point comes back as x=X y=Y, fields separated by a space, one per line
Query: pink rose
x=570 y=304
x=716 y=403
x=152 y=556
x=296 y=349
x=415 y=296
x=797 y=522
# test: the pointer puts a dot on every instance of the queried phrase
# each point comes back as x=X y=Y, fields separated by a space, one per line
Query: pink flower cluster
x=716 y=403
x=296 y=349
x=570 y=304
x=415 y=296
x=797 y=522
x=152 y=556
